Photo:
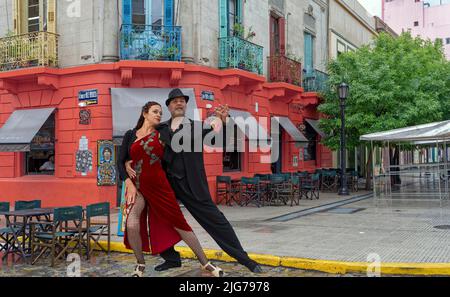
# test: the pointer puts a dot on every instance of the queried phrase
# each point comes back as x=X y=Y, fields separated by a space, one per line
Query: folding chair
x=250 y=191
x=279 y=189
x=95 y=230
x=60 y=238
x=4 y=232
x=223 y=189
x=295 y=190
x=263 y=176
x=353 y=180
x=24 y=205
x=329 y=180
x=21 y=205
x=310 y=186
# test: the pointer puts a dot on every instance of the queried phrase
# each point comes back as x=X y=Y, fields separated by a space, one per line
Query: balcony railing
x=315 y=81
x=283 y=69
x=150 y=42
x=235 y=52
x=28 y=50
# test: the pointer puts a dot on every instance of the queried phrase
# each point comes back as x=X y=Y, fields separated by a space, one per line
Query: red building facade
x=41 y=87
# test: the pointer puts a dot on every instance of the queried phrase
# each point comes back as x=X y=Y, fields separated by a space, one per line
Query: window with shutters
x=232 y=15
x=274 y=35
x=230 y=18
x=309 y=53
x=34 y=16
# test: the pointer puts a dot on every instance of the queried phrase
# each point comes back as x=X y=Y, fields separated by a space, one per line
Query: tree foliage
x=394 y=83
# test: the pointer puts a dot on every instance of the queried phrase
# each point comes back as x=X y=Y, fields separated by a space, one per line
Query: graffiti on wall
x=83 y=159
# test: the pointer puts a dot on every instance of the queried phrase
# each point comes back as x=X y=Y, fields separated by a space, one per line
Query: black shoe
x=167 y=265
x=256 y=269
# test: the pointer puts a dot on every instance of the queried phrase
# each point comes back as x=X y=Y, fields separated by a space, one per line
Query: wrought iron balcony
x=235 y=52
x=315 y=81
x=283 y=69
x=150 y=42
x=28 y=50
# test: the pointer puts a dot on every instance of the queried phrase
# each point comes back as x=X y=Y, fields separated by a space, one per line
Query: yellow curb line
x=332 y=267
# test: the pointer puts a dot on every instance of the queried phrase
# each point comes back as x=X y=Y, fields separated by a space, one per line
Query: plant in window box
x=238 y=30
x=172 y=52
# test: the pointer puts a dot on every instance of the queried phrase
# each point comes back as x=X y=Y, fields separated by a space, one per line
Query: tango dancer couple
x=156 y=174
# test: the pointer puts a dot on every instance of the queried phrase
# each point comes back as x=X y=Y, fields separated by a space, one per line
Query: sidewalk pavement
x=342 y=239
x=319 y=235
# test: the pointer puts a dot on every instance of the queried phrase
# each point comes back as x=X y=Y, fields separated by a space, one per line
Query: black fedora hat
x=175 y=93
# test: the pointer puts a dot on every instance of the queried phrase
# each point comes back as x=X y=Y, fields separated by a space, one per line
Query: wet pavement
x=122 y=265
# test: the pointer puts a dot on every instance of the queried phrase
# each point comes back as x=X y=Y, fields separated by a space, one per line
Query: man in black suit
x=186 y=173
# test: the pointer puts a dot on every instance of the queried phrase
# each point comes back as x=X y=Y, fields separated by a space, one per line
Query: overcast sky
x=374 y=6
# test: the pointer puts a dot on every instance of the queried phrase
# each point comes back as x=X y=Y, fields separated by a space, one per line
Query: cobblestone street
x=122 y=265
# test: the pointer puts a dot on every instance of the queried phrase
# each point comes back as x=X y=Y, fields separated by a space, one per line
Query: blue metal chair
x=60 y=238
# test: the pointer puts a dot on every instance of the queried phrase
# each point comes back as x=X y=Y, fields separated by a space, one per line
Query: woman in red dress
x=151 y=201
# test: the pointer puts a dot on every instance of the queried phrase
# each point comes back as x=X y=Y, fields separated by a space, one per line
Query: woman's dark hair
x=145 y=109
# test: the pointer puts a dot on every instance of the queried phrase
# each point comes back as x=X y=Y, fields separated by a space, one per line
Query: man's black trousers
x=212 y=220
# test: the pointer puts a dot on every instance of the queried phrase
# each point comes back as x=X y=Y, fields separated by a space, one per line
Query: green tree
x=394 y=83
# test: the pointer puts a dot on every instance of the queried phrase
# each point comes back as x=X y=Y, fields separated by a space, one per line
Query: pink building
x=429 y=19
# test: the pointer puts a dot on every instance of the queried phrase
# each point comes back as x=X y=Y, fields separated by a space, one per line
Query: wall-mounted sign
x=106 y=173
x=85 y=117
x=87 y=97
x=208 y=95
x=295 y=161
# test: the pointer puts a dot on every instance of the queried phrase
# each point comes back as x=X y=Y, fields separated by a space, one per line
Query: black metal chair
x=310 y=187
x=250 y=191
x=60 y=238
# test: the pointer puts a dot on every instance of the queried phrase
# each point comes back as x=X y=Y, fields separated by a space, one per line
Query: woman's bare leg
x=133 y=228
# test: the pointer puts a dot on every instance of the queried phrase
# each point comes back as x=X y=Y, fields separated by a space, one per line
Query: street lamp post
x=343 y=94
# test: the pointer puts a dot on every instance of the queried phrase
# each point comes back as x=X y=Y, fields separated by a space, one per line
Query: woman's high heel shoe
x=137 y=271
x=215 y=270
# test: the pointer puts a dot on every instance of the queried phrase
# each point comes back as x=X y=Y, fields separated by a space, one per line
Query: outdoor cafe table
x=17 y=247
